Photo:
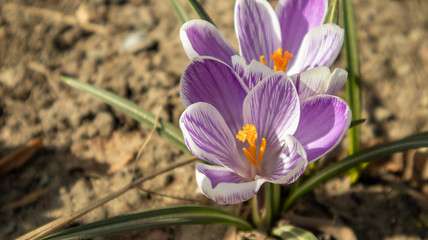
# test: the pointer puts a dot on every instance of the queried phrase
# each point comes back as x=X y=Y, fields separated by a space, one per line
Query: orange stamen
x=249 y=133
x=281 y=60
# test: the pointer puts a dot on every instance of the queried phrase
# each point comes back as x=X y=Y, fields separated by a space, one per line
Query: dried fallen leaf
x=20 y=156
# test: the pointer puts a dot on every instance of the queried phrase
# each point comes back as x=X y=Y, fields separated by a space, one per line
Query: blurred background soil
x=132 y=48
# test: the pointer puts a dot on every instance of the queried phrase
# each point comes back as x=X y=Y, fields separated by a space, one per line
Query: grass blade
x=366 y=155
x=180 y=12
x=165 y=129
x=154 y=218
x=332 y=15
x=200 y=11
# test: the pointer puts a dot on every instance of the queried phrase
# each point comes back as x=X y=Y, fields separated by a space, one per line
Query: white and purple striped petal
x=273 y=108
x=324 y=120
x=296 y=18
x=257 y=29
x=209 y=138
x=318 y=81
x=201 y=38
x=209 y=80
x=289 y=165
x=224 y=186
x=252 y=73
x=320 y=47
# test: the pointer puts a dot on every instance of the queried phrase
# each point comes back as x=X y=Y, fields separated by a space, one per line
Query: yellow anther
x=262 y=150
x=262 y=60
x=281 y=60
x=249 y=133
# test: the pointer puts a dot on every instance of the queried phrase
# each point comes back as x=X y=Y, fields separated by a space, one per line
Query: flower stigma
x=281 y=60
x=249 y=133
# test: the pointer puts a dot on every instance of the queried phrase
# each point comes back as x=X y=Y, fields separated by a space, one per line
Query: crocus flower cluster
x=251 y=118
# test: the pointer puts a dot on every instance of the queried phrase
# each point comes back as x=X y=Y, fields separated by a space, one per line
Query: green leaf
x=358 y=122
x=200 y=11
x=164 y=129
x=366 y=155
x=353 y=85
x=180 y=12
x=332 y=15
x=290 y=232
x=155 y=218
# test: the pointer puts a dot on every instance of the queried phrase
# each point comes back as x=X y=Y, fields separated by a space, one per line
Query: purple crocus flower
x=292 y=39
x=253 y=133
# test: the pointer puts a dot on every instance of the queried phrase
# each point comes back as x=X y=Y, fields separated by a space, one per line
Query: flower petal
x=208 y=137
x=324 y=120
x=250 y=74
x=273 y=107
x=257 y=29
x=336 y=81
x=224 y=186
x=296 y=18
x=201 y=38
x=290 y=164
x=318 y=81
x=311 y=82
x=320 y=47
x=209 y=80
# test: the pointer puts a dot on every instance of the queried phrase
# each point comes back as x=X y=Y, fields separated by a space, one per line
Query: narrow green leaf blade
x=155 y=218
x=200 y=11
x=353 y=85
x=332 y=15
x=366 y=155
x=290 y=232
x=180 y=12
x=358 y=122
x=164 y=129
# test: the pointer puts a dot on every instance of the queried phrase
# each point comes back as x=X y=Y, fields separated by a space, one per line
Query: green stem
x=265 y=217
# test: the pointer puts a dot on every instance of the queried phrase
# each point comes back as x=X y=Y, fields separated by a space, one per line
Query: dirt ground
x=132 y=48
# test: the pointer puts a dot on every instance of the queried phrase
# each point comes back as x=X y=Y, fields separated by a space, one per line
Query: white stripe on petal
x=210 y=80
x=290 y=164
x=224 y=186
x=320 y=47
x=207 y=135
x=336 y=81
x=201 y=38
x=273 y=107
x=250 y=74
x=257 y=29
